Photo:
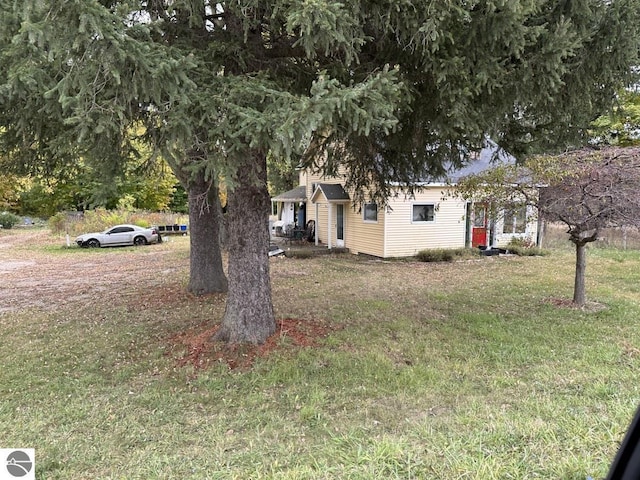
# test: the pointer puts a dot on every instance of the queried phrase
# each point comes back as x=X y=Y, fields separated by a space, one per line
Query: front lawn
x=475 y=369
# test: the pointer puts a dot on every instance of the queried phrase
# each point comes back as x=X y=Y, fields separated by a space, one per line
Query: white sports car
x=119 y=235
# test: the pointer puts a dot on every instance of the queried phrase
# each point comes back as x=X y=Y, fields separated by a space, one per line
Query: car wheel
x=93 y=243
x=139 y=241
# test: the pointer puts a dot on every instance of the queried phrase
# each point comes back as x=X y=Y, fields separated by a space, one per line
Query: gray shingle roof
x=333 y=192
x=489 y=157
x=298 y=194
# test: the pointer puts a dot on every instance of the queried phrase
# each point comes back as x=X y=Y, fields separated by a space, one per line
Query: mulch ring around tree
x=202 y=352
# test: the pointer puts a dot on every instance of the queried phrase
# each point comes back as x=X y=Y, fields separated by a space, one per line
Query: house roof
x=489 y=157
x=333 y=192
x=298 y=194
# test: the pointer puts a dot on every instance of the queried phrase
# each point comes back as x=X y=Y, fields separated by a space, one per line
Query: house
x=431 y=218
x=288 y=209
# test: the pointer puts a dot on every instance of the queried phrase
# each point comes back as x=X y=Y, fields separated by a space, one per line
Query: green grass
x=443 y=371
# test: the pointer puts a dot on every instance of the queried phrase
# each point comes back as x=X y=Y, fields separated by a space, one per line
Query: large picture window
x=370 y=212
x=423 y=212
x=515 y=220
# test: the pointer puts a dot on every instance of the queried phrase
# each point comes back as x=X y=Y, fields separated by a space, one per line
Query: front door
x=479 y=231
x=339 y=225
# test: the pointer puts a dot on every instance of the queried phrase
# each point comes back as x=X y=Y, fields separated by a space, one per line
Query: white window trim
x=422 y=222
x=514 y=221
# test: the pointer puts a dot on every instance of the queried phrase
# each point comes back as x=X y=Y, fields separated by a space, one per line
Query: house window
x=423 y=212
x=479 y=216
x=370 y=212
x=515 y=220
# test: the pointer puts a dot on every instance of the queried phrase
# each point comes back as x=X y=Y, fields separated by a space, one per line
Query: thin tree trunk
x=579 y=291
x=249 y=316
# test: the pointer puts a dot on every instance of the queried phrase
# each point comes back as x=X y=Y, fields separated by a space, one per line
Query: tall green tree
x=9 y=192
x=95 y=91
x=394 y=90
x=282 y=174
x=621 y=126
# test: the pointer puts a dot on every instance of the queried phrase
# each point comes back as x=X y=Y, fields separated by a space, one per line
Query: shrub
x=525 y=251
x=141 y=222
x=66 y=222
x=8 y=220
x=522 y=242
x=524 y=247
x=300 y=254
x=445 y=254
x=57 y=222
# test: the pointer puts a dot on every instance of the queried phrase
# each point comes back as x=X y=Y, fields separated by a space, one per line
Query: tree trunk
x=249 y=316
x=579 y=292
x=206 y=274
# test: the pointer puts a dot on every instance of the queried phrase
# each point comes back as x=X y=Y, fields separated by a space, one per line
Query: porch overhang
x=298 y=194
x=332 y=193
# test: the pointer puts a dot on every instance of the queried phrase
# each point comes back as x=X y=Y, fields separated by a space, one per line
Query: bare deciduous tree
x=588 y=191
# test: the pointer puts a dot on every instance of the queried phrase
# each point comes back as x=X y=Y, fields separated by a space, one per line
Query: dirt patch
x=568 y=303
x=57 y=276
x=202 y=352
x=142 y=279
x=7 y=266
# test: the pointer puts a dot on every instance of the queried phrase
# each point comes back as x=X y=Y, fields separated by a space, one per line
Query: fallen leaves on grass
x=569 y=303
x=202 y=351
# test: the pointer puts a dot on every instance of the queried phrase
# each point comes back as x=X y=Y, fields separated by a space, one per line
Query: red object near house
x=478 y=236
x=479 y=229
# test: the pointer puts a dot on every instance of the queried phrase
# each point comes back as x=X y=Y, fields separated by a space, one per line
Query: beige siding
x=394 y=234
x=303 y=177
x=308 y=179
x=321 y=222
x=365 y=237
x=406 y=238
x=323 y=211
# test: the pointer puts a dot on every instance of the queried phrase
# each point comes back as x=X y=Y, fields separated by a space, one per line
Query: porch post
x=468 y=225
x=316 y=226
x=329 y=218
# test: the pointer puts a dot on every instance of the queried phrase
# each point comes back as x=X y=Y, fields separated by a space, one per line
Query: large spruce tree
x=392 y=89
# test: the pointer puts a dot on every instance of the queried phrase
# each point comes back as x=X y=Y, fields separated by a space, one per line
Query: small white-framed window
x=370 y=212
x=515 y=220
x=423 y=212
